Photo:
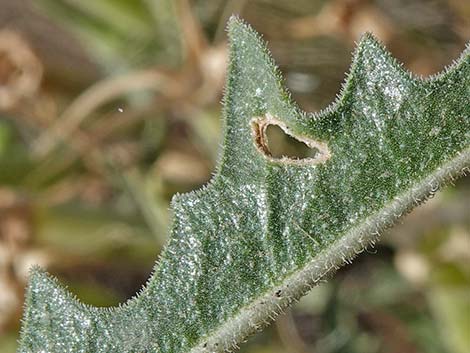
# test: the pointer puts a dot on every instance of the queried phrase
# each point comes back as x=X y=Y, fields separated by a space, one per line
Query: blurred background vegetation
x=109 y=107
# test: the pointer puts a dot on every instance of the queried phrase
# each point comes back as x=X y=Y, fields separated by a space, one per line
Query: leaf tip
x=238 y=28
x=368 y=42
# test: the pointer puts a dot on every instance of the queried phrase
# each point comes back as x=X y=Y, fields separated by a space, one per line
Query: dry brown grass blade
x=98 y=94
x=20 y=69
x=193 y=36
x=289 y=335
x=231 y=7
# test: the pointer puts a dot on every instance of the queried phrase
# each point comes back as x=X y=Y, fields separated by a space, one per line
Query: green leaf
x=265 y=230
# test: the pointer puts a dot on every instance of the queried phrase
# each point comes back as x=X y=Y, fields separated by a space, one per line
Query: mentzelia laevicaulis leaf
x=265 y=230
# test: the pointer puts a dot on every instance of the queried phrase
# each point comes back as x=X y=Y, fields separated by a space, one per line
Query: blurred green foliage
x=93 y=208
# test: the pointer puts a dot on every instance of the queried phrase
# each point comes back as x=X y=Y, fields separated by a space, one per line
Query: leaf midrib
x=263 y=310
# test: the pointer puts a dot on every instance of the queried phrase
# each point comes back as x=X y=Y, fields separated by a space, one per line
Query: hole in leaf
x=275 y=141
x=280 y=144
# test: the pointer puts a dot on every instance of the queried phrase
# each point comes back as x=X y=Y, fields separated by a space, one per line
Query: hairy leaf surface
x=266 y=229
